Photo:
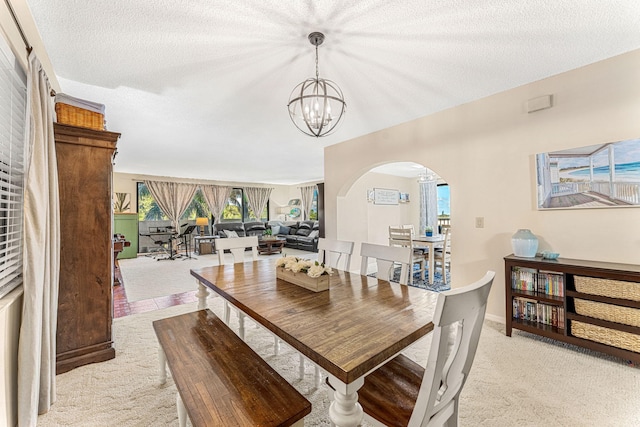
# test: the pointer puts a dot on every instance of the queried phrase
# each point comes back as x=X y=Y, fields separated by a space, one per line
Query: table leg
x=202 y=295
x=345 y=411
x=162 y=359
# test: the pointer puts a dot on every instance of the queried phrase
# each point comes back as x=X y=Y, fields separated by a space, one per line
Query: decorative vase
x=524 y=243
x=428 y=233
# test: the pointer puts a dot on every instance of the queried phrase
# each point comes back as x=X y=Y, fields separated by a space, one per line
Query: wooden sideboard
x=85 y=299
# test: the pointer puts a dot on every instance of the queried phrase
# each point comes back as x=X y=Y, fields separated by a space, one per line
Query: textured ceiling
x=199 y=88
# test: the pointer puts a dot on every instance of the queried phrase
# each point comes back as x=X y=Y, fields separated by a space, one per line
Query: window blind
x=13 y=100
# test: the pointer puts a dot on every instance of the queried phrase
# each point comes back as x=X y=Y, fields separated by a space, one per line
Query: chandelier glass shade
x=316 y=105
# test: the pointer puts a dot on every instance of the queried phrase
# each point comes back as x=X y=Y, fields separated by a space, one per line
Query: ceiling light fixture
x=316 y=105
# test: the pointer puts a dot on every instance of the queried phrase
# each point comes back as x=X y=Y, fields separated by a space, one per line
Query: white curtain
x=172 y=198
x=257 y=198
x=41 y=254
x=307 y=199
x=216 y=197
x=428 y=205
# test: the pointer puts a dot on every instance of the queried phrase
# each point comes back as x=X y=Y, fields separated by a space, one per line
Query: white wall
x=486 y=151
x=368 y=222
x=10 y=316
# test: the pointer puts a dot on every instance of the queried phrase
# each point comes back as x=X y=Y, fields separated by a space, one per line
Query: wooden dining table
x=431 y=243
x=348 y=330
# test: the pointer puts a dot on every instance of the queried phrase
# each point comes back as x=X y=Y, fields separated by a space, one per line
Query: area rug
x=438 y=284
x=146 y=277
x=522 y=380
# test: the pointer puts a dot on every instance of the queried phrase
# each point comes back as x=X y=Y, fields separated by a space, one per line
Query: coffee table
x=271 y=246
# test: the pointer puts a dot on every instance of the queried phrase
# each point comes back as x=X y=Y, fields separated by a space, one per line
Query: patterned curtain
x=216 y=197
x=428 y=205
x=257 y=198
x=307 y=199
x=172 y=198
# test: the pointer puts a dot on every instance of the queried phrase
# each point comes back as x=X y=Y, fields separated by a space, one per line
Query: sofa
x=301 y=235
x=242 y=229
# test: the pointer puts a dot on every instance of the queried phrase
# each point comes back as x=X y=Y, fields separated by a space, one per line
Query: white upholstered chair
x=237 y=247
x=403 y=393
x=402 y=237
x=386 y=257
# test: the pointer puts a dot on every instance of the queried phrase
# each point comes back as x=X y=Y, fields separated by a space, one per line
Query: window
x=148 y=209
x=237 y=209
x=13 y=95
x=313 y=213
x=444 y=202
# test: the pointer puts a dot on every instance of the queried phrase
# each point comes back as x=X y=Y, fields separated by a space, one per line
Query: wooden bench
x=221 y=381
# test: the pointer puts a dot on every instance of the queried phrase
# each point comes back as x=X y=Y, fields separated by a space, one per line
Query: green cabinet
x=127 y=225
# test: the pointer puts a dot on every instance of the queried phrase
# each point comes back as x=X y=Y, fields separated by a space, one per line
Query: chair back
x=330 y=252
x=236 y=246
x=386 y=257
x=446 y=247
x=400 y=236
x=461 y=312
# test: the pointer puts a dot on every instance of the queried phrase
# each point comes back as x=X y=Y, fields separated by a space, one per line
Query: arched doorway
x=363 y=218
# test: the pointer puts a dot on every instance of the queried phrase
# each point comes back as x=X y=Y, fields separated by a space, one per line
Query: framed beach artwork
x=598 y=176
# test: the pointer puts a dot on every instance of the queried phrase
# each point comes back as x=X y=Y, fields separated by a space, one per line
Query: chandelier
x=316 y=105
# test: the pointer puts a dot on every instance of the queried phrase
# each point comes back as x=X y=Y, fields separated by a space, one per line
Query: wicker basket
x=608 y=288
x=70 y=115
x=612 y=313
x=606 y=336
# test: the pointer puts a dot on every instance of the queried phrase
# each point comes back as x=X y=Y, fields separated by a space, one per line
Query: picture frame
x=604 y=175
x=121 y=202
x=385 y=196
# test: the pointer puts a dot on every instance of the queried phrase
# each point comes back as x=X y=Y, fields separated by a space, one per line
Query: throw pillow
x=231 y=233
x=284 y=230
x=275 y=229
x=314 y=234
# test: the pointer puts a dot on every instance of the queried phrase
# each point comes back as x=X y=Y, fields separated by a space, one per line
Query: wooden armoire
x=85 y=298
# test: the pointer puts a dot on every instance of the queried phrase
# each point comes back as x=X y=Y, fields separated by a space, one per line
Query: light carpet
x=522 y=380
x=145 y=277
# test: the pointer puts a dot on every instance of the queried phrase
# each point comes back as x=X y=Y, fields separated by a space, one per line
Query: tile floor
x=122 y=307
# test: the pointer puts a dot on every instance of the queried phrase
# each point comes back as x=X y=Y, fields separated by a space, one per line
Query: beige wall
x=127 y=183
x=486 y=151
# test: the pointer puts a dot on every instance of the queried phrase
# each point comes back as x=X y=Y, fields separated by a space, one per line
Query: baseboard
x=494 y=318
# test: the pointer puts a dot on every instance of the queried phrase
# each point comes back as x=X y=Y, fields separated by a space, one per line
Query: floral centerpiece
x=303 y=272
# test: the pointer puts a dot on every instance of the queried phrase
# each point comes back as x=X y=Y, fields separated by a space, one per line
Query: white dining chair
x=442 y=256
x=236 y=246
x=403 y=393
x=403 y=237
x=386 y=257
x=330 y=253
